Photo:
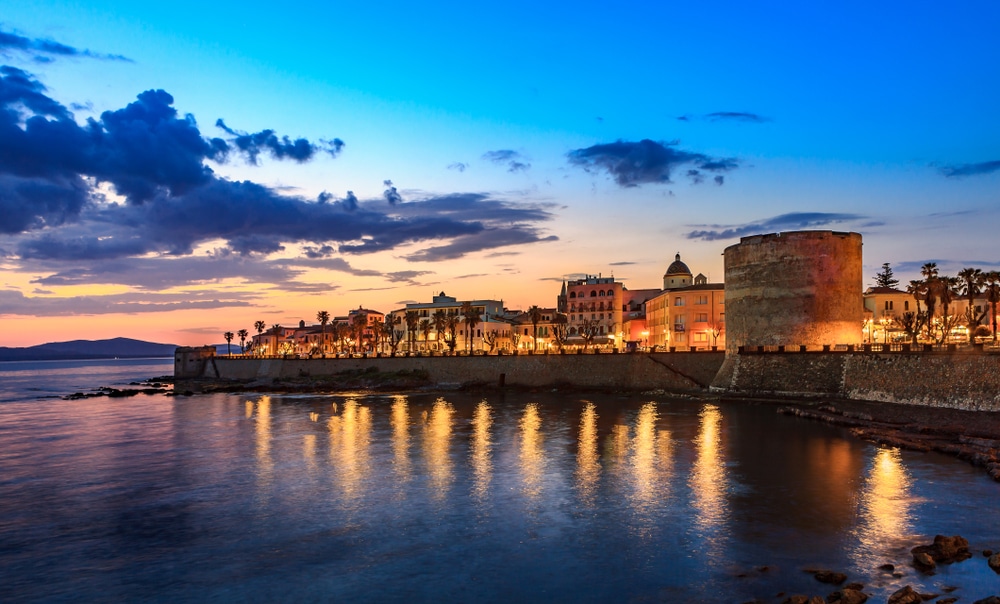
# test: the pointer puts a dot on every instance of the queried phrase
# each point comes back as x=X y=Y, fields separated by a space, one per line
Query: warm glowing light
x=437 y=442
x=479 y=456
x=401 y=438
x=350 y=438
x=588 y=466
x=532 y=455
x=708 y=475
x=262 y=433
x=885 y=505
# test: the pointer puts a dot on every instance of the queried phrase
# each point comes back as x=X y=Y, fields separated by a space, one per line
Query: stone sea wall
x=955 y=380
x=675 y=371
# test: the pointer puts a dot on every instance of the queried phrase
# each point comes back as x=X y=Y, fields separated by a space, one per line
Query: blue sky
x=525 y=143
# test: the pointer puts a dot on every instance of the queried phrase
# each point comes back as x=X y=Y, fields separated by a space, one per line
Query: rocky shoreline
x=926 y=558
x=972 y=436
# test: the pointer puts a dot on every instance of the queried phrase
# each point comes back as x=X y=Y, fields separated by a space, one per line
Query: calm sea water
x=452 y=497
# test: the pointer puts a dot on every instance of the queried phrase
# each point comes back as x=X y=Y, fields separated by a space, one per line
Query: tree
x=229 y=341
x=946 y=290
x=411 y=318
x=471 y=317
x=243 y=334
x=972 y=281
x=377 y=333
x=440 y=320
x=918 y=289
x=323 y=317
x=358 y=324
x=426 y=326
x=451 y=324
x=342 y=331
x=588 y=329
x=910 y=322
x=884 y=277
x=560 y=333
x=259 y=326
x=931 y=290
x=275 y=329
x=490 y=339
x=392 y=335
x=993 y=297
x=535 y=316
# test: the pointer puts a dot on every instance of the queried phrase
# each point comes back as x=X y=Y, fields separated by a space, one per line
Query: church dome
x=677 y=268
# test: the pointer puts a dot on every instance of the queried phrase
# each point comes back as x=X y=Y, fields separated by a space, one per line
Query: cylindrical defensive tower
x=795 y=288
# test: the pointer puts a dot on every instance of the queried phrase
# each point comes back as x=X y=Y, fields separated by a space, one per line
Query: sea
x=453 y=496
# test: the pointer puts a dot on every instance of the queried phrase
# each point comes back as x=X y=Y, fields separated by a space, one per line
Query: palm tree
x=411 y=319
x=993 y=297
x=918 y=289
x=471 y=318
x=229 y=342
x=535 y=316
x=972 y=280
x=243 y=334
x=377 y=333
x=440 y=319
x=323 y=317
x=425 y=328
x=947 y=286
x=359 y=323
x=259 y=326
x=451 y=324
x=276 y=329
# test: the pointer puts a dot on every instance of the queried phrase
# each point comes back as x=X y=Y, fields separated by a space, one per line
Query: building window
x=593 y=294
x=701 y=337
x=678 y=301
x=593 y=317
x=906 y=305
x=601 y=317
x=601 y=293
x=888 y=304
x=701 y=300
x=572 y=294
x=701 y=317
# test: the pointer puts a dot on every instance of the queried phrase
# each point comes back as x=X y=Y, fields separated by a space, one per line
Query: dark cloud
x=300 y=149
x=471 y=276
x=736 y=116
x=459 y=166
x=514 y=161
x=784 y=222
x=391 y=194
x=626 y=263
x=962 y=170
x=635 y=163
x=58 y=220
x=16 y=303
x=490 y=238
x=146 y=151
x=43 y=50
x=719 y=180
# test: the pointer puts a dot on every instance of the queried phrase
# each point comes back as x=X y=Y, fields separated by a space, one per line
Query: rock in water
x=847 y=596
x=923 y=561
x=945 y=550
x=829 y=576
x=905 y=595
x=994 y=562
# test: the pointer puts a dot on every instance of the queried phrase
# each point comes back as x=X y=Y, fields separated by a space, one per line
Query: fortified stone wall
x=678 y=371
x=794 y=288
x=968 y=381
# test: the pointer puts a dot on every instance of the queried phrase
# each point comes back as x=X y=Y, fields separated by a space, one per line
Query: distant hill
x=88 y=349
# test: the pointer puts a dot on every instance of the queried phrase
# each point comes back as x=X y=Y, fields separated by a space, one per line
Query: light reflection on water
x=428 y=498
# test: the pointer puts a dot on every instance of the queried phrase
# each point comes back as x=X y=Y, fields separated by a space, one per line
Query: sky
x=169 y=172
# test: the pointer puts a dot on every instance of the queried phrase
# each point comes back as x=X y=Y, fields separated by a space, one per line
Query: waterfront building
x=493 y=319
x=634 y=316
x=595 y=310
x=523 y=336
x=688 y=312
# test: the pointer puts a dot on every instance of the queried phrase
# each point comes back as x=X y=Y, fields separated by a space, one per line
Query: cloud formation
x=783 y=222
x=458 y=166
x=42 y=50
x=52 y=203
x=962 y=170
x=728 y=116
x=646 y=162
x=514 y=161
